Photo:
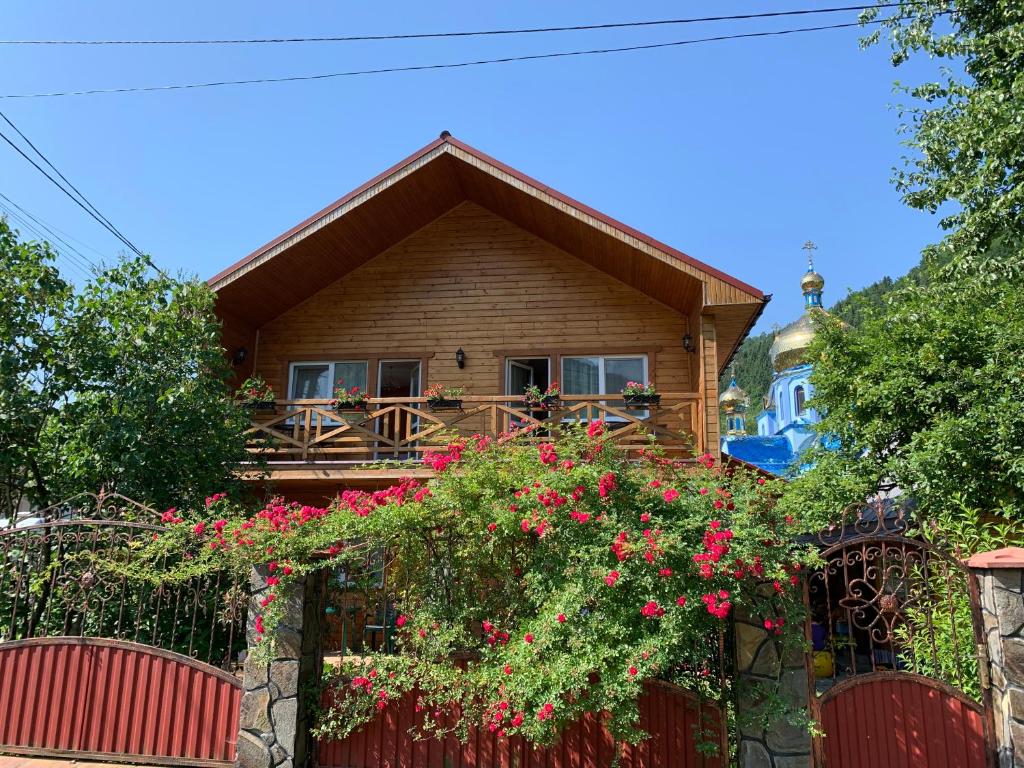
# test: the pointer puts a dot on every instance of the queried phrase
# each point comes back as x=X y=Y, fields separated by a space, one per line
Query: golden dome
x=811 y=281
x=733 y=397
x=791 y=342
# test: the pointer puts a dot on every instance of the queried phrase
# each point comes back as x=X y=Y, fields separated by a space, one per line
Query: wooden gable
x=432 y=182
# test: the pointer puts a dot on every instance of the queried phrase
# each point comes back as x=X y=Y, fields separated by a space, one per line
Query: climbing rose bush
x=531 y=583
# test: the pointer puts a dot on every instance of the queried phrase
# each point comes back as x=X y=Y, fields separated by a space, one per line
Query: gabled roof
x=429 y=183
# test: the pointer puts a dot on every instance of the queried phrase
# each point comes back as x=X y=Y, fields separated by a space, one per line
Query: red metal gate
x=96 y=664
x=901 y=719
x=671 y=715
x=898 y=651
x=114 y=700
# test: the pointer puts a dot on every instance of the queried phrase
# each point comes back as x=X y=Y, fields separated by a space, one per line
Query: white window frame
x=330 y=366
x=602 y=381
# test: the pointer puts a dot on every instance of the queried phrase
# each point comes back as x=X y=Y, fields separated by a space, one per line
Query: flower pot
x=263 y=406
x=444 y=404
x=641 y=400
x=545 y=403
x=353 y=410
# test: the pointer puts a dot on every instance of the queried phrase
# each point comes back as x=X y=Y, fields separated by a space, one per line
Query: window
x=601 y=375
x=317 y=381
x=798 y=401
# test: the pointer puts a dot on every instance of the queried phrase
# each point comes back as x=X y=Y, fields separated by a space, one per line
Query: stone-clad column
x=274 y=723
x=763 y=664
x=1001 y=587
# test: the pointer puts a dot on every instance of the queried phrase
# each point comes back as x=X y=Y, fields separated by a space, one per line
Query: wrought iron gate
x=899 y=661
x=96 y=663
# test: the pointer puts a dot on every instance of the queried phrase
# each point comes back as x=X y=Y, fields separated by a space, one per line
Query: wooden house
x=453 y=269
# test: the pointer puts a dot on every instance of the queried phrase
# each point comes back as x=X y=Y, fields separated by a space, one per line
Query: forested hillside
x=753 y=366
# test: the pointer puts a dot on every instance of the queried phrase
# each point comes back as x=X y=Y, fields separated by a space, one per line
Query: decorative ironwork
x=65 y=571
x=888 y=599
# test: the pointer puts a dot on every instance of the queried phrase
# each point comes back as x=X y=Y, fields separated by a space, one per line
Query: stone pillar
x=763 y=666
x=274 y=723
x=1001 y=590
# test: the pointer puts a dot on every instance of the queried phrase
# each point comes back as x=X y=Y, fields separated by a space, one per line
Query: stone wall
x=1001 y=586
x=274 y=725
x=763 y=665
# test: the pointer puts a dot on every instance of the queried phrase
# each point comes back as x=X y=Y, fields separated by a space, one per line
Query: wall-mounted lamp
x=240 y=354
x=688 y=343
x=460 y=358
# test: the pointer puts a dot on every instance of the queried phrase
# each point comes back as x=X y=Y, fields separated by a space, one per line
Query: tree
x=927 y=393
x=966 y=128
x=120 y=386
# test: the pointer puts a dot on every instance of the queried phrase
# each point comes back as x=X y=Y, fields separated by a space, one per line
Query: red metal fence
x=671 y=715
x=901 y=719
x=115 y=700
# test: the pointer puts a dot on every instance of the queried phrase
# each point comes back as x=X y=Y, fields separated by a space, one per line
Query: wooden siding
x=473 y=280
x=113 y=700
x=709 y=384
x=670 y=714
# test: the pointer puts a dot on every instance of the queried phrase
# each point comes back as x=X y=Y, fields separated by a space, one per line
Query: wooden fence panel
x=670 y=714
x=115 y=700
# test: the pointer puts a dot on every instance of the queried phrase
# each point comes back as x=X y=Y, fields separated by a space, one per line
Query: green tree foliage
x=965 y=129
x=121 y=385
x=928 y=394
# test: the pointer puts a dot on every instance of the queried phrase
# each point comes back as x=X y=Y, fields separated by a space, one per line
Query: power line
x=64 y=178
x=63 y=189
x=476 y=33
x=453 y=65
x=80 y=200
x=57 y=233
x=24 y=223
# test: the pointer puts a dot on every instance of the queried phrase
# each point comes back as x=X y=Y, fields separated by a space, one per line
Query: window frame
x=602 y=379
x=330 y=364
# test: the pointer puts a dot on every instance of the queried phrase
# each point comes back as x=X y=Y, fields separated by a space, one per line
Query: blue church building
x=785 y=425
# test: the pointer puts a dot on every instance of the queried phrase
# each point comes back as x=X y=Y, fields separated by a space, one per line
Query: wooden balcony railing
x=396 y=428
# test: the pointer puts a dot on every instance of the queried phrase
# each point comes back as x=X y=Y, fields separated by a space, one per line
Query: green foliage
x=120 y=386
x=965 y=129
x=32 y=294
x=562 y=575
x=926 y=395
x=937 y=638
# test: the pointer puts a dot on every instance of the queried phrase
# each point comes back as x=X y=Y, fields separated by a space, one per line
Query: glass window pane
x=350 y=374
x=310 y=382
x=619 y=370
x=580 y=375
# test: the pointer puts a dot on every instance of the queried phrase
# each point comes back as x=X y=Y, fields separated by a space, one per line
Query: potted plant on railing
x=637 y=394
x=441 y=397
x=256 y=394
x=351 y=399
x=536 y=398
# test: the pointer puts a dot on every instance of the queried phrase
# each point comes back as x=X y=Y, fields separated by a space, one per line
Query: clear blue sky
x=735 y=152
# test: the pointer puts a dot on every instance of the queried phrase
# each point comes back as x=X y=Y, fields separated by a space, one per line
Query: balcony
x=309 y=440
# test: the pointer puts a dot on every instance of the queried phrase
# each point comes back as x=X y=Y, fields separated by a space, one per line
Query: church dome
x=791 y=342
x=811 y=281
x=733 y=397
